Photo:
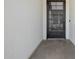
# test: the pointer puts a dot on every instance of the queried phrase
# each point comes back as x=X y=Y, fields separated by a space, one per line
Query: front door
x=56 y=19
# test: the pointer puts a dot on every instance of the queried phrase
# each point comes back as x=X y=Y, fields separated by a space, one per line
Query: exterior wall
x=23 y=27
x=72 y=23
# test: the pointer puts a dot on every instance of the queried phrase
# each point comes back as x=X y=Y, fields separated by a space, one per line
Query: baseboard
x=35 y=50
x=73 y=43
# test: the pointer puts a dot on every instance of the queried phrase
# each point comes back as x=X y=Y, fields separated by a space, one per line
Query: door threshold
x=56 y=39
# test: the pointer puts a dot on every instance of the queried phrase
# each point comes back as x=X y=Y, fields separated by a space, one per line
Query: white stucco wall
x=23 y=28
x=72 y=23
x=44 y=19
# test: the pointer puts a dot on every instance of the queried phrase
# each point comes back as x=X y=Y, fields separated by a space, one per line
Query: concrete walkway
x=55 y=49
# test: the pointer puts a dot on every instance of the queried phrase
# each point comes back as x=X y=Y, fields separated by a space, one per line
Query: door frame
x=45 y=19
x=64 y=16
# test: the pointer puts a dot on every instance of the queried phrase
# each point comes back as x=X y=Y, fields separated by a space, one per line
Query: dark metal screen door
x=55 y=19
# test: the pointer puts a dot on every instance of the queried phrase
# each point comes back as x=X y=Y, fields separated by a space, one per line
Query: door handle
x=69 y=20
